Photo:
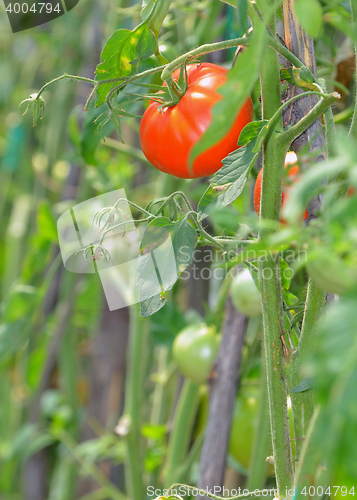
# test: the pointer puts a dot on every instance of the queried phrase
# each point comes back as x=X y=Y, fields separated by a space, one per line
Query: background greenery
x=62 y=353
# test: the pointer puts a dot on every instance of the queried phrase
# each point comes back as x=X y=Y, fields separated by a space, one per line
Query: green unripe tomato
x=243 y=425
x=246 y=296
x=194 y=350
x=332 y=274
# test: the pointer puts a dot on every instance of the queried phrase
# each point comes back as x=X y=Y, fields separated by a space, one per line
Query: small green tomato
x=246 y=296
x=194 y=350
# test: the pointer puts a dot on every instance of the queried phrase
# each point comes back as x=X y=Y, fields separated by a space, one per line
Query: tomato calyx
x=176 y=88
x=170 y=93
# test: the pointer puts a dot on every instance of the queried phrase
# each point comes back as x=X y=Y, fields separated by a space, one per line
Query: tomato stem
x=258 y=465
x=311 y=456
x=303 y=402
x=287 y=137
x=269 y=273
x=167 y=69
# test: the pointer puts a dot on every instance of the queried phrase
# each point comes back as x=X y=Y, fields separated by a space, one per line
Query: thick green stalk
x=269 y=275
x=303 y=402
x=181 y=431
x=133 y=406
x=261 y=449
x=310 y=457
x=287 y=137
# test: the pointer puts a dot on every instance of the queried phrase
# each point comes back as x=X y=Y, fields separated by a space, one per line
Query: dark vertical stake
x=223 y=394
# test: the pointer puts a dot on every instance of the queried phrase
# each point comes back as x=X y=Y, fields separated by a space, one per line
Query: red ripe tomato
x=167 y=136
x=293 y=176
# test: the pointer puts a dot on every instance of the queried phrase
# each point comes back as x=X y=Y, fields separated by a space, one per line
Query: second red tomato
x=292 y=176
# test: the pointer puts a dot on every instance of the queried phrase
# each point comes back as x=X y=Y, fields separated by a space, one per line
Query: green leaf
x=309 y=14
x=206 y=204
x=240 y=82
x=151 y=305
x=251 y=131
x=306 y=384
x=286 y=274
x=287 y=75
x=230 y=179
x=235 y=165
x=261 y=138
x=306 y=75
x=233 y=191
x=289 y=298
x=166 y=250
x=122 y=50
x=300 y=77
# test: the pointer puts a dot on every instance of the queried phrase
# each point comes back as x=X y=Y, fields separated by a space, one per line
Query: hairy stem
x=269 y=276
x=261 y=449
x=287 y=137
x=310 y=457
x=303 y=402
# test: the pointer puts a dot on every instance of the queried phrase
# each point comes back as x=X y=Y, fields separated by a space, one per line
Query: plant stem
x=181 y=431
x=133 y=406
x=169 y=68
x=258 y=464
x=125 y=148
x=65 y=77
x=330 y=133
x=309 y=459
x=269 y=276
x=285 y=52
x=287 y=137
x=303 y=402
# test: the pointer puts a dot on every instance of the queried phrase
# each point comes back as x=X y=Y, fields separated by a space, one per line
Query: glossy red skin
x=293 y=175
x=167 y=137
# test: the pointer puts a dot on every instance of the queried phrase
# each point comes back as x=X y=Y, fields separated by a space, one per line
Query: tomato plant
x=246 y=296
x=293 y=175
x=194 y=351
x=200 y=109
x=168 y=134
